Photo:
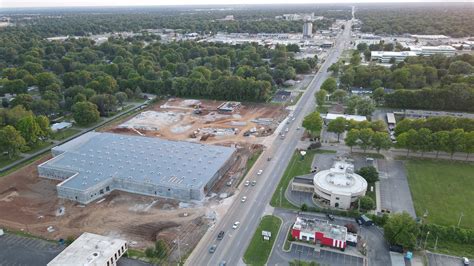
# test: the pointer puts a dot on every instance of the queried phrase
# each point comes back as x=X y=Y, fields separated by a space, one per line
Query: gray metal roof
x=97 y=157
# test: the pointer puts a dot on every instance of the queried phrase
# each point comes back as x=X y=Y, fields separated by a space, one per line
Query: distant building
x=432 y=50
x=330 y=116
x=320 y=231
x=427 y=113
x=429 y=37
x=385 y=57
x=308 y=29
x=91 y=249
x=60 y=126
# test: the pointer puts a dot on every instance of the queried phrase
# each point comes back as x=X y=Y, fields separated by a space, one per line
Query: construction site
x=31 y=204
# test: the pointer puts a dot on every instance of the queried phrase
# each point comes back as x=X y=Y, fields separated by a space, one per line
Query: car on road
x=220 y=236
x=223 y=263
x=396 y=248
x=247 y=183
x=330 y=217
x=269 y=158
x=298 y=128
x=235 y=225
x=465 y=261
x=212 y=249
x=287 y=129
x=293 y=119
x=244 y=198
x=260 y=172
x=254 y=183
x=282 y=136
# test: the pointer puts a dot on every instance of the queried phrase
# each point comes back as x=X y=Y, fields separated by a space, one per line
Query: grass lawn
x=259 y=249
x=5 y=160
x=39 y=146
x=444 y=188
x=63 y=134
x=295 y=167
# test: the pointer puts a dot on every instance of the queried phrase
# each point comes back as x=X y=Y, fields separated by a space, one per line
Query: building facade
x=95 y=164
x=320 y=232
x=307 y=29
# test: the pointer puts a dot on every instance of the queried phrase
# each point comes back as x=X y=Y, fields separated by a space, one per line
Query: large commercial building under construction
x=95 y=164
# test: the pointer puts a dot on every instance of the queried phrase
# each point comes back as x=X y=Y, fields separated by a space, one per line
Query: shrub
x=369 y=173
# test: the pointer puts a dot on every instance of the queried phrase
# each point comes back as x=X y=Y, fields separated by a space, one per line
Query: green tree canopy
x=401 y=229
x=85 y=113
x=313 y=123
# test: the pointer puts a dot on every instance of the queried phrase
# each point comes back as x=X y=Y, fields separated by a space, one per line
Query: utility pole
x=179 y=253
x=460 y=217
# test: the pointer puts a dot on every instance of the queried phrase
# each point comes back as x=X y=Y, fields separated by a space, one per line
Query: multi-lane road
x=231 y=249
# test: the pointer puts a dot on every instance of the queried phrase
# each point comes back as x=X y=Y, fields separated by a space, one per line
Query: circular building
x=339 y=186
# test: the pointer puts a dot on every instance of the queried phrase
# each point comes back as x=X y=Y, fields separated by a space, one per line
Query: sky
x=70 y=3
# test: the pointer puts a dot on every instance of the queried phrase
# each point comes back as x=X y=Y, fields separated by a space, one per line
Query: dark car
x=396 y=248
x=364 y=220
x=220 y=236
x=330 y=217
x=212 y=249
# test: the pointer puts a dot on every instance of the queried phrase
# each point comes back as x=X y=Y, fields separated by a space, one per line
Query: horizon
x=51 y=4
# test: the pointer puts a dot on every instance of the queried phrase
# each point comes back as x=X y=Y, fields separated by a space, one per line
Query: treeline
x=21 y=130
x=435 y=82
x=451 y=19
x=106 y=75
x=425 y=140
x=435 y=124
x=251 y=20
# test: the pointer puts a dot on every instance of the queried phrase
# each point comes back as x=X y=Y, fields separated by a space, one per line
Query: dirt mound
x=149 y=231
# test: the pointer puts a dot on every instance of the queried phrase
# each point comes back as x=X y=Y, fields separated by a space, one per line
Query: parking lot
x=324 y=257
x=443 y=260
x=16 y=251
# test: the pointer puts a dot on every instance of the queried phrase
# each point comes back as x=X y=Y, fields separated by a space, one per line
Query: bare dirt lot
x=199 y=120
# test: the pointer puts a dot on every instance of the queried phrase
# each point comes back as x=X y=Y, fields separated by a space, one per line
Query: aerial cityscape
x=224 y=133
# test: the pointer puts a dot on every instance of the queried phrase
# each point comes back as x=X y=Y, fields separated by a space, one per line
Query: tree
x=440 y=141
x=468 y=143
x=408 y=140
x=365 y=138
x=29 y=129
x=313 y=123
x=424 y=140
x=378 y=95
x=321 y=97
x=161 y=249
x=381 y=140
x=329 y=85
x=355 y=59
x=362 y=47
x=365 y=107
x=351 y=138
x=85 y=113
x=304 y=207
x=337 y=126
x=121 y=97
x=149 y=252
x=339 y=95
x=369 y=173
x=43 y=123
x=401 y=229
x=366 y=203
x=455 y=141
x=11 y=141
x=460 y=67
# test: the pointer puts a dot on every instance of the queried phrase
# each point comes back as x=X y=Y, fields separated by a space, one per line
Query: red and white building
x=320 y=231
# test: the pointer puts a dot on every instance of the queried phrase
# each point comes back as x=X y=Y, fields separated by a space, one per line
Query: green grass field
x=5 y=160
x=63 y=134
x=295 y=167
x=445 y=189
x=259 y=249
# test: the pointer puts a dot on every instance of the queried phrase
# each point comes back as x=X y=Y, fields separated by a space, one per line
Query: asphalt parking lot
x=395 y=193
x=324 y=257
x=443 y=260
x=16 y=251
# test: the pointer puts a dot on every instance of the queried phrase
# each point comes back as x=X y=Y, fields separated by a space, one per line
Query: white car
x=235 y=225
x=244 y=198
x=287 y=129
x=260 y=172
x=298 y=128
x=247 y=183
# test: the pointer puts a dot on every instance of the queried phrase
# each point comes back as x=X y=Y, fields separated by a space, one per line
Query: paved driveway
x=395 y=193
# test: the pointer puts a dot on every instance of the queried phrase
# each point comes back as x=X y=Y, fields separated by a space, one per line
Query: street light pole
x=460 y=217
x=426 y=239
